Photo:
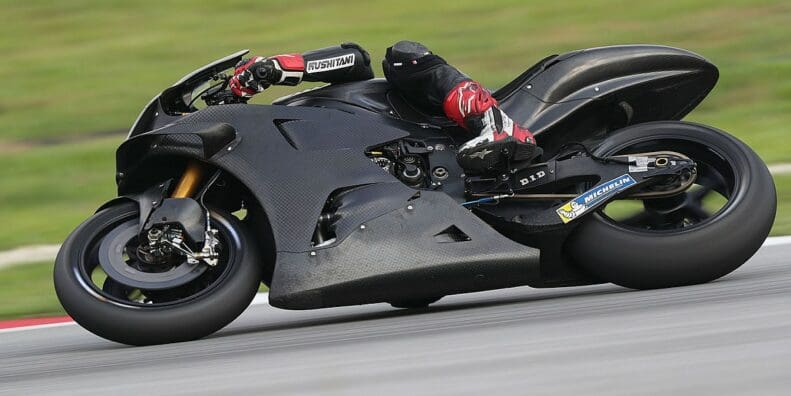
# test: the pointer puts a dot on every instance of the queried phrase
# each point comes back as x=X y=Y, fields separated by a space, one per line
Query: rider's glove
x=256 y=74
x=253 y=75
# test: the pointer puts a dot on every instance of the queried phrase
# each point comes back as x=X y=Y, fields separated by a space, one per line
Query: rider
x=422 y=77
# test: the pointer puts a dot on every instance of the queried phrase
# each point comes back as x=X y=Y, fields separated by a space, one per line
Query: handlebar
x=219 y=93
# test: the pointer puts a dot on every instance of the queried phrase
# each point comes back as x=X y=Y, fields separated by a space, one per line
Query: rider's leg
x=428 y=81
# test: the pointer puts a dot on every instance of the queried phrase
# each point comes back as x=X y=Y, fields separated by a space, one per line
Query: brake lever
x=220 y=96
x=228 y=97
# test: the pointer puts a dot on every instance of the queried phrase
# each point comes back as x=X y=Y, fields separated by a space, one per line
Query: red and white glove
x=256 y=74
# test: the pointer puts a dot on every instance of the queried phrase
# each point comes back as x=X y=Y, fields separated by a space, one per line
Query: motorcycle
x=347 y=194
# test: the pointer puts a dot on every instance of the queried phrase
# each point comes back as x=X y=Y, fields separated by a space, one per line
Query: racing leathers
x=423 y=78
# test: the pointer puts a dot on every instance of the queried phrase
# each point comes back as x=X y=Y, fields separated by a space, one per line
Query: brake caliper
x=177 y=223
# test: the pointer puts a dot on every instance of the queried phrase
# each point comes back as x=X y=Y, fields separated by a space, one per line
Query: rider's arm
x=342 y=63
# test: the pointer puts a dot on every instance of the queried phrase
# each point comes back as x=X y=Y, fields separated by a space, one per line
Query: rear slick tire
x=186 y=320
x=649 y=259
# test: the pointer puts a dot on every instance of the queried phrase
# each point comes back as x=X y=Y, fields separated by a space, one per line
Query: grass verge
x=782 y=224
x=45 y=193
x=27 y=291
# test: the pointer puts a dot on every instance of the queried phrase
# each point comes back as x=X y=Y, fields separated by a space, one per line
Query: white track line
x=28 y=254
x=263 y=298
x=779 y=240
x=780 y=169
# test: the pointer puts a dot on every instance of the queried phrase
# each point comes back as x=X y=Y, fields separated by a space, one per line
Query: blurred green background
x=75 y=74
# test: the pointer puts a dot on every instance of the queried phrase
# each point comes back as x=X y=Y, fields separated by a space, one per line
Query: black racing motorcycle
x=347 y=194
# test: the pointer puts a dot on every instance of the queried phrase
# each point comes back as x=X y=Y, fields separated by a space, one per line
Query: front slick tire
x=649 y=258
x=175 y=321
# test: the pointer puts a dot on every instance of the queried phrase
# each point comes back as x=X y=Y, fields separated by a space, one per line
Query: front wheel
x=148 y=303
x=682 y=239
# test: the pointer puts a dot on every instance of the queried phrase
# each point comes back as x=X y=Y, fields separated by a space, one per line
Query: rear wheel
x=693 y=237
x=107 y=288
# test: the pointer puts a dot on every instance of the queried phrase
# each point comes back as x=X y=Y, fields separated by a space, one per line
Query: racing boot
x=500 y=140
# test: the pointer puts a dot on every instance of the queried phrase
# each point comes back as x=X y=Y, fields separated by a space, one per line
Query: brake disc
x=111 y=258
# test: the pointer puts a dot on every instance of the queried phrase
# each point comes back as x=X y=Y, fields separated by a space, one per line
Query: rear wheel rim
x=716 y=189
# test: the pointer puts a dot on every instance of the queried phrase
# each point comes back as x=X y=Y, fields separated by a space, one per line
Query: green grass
x=88 y=65
x=27 y=291
x=46 y=192
x=782 y=224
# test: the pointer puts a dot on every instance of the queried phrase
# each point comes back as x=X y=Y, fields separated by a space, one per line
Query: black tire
x=716 y=246
x=415 y=303
x=187 y=320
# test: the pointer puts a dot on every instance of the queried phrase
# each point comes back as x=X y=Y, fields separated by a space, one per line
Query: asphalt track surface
x=732 y=336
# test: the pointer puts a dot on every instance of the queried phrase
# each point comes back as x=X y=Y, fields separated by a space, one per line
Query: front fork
x=190 y=180
x=188 y=214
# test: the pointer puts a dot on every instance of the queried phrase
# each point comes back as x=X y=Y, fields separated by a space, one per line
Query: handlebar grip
x=264 y=72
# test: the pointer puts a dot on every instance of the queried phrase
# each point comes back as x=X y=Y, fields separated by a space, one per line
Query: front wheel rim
x=90 y=274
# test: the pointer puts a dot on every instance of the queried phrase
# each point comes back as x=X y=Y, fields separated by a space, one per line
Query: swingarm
x=634 y=176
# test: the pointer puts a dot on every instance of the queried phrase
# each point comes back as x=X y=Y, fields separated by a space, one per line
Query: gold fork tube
x=190 y=180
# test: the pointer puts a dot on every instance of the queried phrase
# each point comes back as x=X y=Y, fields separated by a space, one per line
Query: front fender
x=146 y=200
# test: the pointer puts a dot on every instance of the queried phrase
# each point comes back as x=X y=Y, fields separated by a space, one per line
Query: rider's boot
x=500 y=141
